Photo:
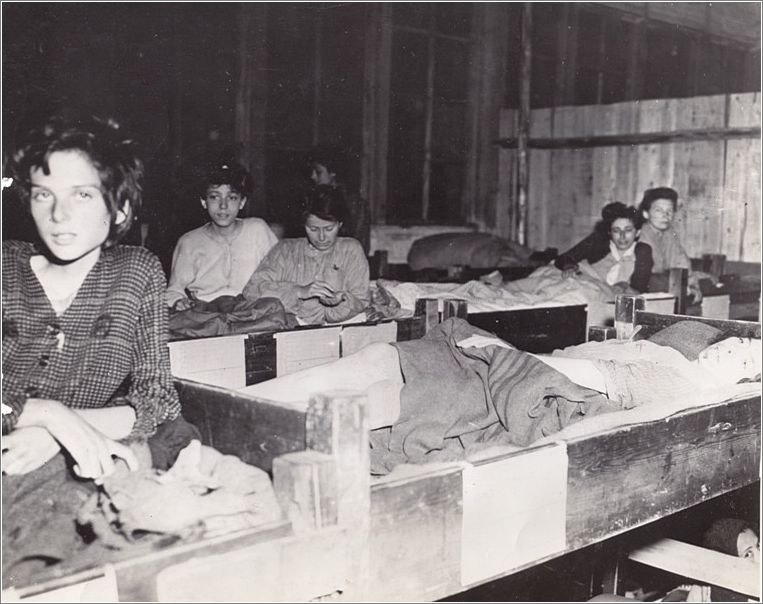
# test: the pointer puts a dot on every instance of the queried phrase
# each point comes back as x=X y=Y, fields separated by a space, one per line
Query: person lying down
x=459 y=387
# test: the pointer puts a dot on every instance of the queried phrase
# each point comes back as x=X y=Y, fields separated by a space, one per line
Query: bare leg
x=375 y=370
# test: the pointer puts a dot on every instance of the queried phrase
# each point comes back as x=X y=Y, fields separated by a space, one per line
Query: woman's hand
x=182 y=304
x=91 y=450
x=26 y=449
x=334 y=300
x=316 y=289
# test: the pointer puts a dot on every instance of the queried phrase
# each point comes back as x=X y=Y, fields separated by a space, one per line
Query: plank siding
x=718 y=181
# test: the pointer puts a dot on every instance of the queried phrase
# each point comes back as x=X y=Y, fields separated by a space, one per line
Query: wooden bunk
x=241 y=360
x=429 y=531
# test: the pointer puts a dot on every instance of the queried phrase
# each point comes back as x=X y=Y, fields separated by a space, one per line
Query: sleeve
x=152 y=391
x=13 y=399
x=183 y=271
x=642 y=272
x=268 y=280
x=678 y=256
x=357 y=286
x=589 y=249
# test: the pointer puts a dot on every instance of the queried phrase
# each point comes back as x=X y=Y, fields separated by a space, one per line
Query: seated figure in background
x=658 y=208
x=218 y=258
x=613 y=250
x=321 y=278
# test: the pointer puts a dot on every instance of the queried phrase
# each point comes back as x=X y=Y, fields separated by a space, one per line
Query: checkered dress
x=108 y=348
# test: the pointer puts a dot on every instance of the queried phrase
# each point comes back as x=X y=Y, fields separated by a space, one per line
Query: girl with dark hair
x=613 y=250
x=217 y=259
x=85 y=359
x=322 y=278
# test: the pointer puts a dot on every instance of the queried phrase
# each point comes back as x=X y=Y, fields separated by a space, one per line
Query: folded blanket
x=454 y=398
x=229 y=315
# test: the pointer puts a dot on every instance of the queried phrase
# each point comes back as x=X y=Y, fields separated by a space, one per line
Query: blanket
x=454 y=398
x=229 y=315
x=476 y=250
x=544 y=287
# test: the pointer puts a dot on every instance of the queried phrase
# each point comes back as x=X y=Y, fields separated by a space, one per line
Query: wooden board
x=538 y=330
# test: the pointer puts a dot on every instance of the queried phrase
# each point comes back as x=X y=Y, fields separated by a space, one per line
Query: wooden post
x=625 y=314
x=523 y=127
x=454 y=307
x=600 y=333
x=337 y=425
x=380 y=264
x=714 y=264
x=429 y=309
x=678 y=281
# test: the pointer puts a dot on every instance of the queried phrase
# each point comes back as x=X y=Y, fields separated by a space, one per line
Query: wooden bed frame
x=538 y=330
x=429 y=531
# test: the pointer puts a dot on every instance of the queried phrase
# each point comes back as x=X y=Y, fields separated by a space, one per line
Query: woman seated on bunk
x=321 y=278
x=613 y=251
x=217 y=259
x=460 y=383
x=85 y=359
x=658 y=208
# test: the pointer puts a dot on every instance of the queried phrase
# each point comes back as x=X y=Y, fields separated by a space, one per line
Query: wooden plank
x=300 y=569
x=219 y=414
x=702 y=564
x=139 y=578
x=415 y=535
x=538 y=330
x=651 y=323
x=634 y=475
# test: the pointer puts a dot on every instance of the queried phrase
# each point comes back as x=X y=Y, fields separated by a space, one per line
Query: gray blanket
x=454 y=398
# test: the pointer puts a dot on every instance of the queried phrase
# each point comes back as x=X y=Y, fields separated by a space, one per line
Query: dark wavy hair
x=229 y=173
x=613 y=211
x=325 y=202
x=652 y=195
x=112 y=153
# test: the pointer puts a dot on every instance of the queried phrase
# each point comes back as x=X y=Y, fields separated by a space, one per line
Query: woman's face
x=223 y=204
x=320 y=175
x=321 y=233
x=748 y=546
x=732 y=359
x=68 y=206
x=660 y=214
x=623 y=233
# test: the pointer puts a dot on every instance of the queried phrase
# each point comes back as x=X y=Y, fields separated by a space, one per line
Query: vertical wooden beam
x=428 y=119
x=428 y=308
x=317 y=77
x=251 y=99
x=564 y=34
x=678 y=281
x=377 y=57
x=625 y=314
x=636 y=60
x=523 y=129
x=454 y=307
x=337 y=424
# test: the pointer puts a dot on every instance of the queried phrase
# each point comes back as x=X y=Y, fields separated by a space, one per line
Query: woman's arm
x=642 y=270
x=182 y=273
x=152 y=392
x=269 y=280
x=593 y=248
x=356 y=294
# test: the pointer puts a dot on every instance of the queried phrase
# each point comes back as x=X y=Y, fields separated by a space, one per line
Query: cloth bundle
x=229 y=315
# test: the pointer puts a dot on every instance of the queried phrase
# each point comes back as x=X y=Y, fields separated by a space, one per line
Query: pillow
x=687 y=337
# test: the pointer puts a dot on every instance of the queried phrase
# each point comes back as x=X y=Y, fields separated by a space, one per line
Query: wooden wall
x=718 y=181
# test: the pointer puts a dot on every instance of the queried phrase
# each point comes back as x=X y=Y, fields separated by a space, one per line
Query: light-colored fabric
x=667 y=251
x=293 y=263
x=617 y=267
x=210 y=266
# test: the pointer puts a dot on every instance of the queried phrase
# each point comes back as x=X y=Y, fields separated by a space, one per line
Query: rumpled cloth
x=55 y=523
x=229 y=315
x=454 y=398
x=203 y=492
x=476 y=250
